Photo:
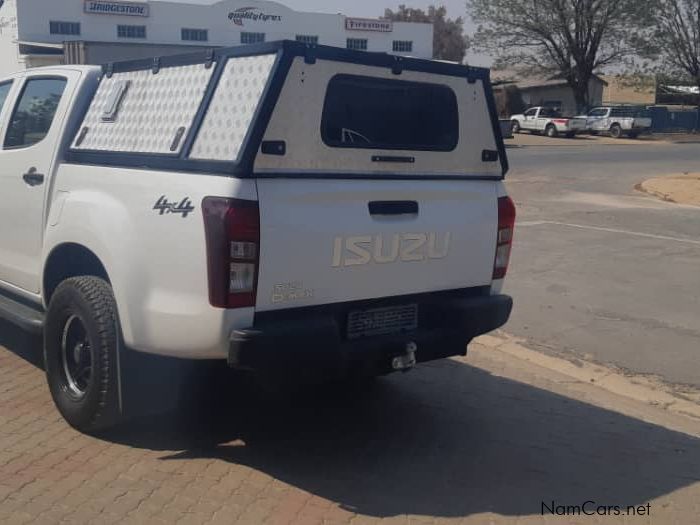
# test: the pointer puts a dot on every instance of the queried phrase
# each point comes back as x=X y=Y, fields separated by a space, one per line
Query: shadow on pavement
x=22 y=344
x=446 y=440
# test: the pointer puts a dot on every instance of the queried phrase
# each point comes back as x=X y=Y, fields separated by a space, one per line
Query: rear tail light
x=232 y=228
x=504 y=238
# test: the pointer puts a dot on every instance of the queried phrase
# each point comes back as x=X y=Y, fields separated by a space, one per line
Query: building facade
x=557 y=93
x=547 y=91
x=620 y=89
x=48 y=32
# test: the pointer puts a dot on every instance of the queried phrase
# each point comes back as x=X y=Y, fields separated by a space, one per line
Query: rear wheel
x=634 y=135
x=551 y=131
x=80 y=352
x=515 y=126
x=570 y=134
x=616 y=131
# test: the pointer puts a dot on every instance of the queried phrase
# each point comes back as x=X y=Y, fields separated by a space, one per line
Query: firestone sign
x=366 y=24
x=101 y=7
x=252 y=13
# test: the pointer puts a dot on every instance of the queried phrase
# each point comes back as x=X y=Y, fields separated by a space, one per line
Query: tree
x=567 y=39
x=449 y=40
x=675 y=42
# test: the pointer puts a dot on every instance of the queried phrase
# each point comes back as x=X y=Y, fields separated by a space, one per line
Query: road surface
x=601 y=271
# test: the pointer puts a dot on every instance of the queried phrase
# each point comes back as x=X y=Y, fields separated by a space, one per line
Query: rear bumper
x=316 y=338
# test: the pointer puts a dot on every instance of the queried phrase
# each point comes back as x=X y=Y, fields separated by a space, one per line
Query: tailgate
x=642 y=122
x=330 y=241
x=577 y=123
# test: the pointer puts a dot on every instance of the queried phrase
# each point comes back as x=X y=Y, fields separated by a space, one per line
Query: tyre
x=634 y=135
x=570 y=135
x=551 y=131
x=80 y=353
x=515 y=126
x=616 y=131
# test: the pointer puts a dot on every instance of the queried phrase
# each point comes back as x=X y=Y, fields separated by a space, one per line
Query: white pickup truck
x=548 y=121
x=270 y=206
x=618 y=121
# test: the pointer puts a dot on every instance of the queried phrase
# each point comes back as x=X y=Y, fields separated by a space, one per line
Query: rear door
x=544 y=117
x=29 y=145
x=530 y=119
x=388 y=187
x=597 y=119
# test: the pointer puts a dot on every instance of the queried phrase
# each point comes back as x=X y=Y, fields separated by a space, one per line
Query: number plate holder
x=382 y=321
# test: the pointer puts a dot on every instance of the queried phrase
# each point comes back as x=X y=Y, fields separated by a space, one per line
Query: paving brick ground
x=483 y=440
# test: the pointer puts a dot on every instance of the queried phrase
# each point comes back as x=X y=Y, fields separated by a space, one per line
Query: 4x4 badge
x=184 y=207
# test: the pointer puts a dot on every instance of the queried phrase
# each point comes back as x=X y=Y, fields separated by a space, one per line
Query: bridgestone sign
x=98 y=7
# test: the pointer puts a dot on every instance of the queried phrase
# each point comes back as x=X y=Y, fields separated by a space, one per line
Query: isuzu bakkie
x=269 y=206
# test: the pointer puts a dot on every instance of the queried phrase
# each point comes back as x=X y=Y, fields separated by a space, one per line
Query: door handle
x=32 y=178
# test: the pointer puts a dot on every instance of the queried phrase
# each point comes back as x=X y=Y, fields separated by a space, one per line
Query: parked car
x=273 y=207
x=547 y=120
x=618 y=121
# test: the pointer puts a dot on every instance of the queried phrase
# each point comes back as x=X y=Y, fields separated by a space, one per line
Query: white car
x=547 y=120
x=618 y=121
x=274 y=207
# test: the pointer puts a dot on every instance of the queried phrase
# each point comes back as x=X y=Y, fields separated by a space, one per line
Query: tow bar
x=406 y=361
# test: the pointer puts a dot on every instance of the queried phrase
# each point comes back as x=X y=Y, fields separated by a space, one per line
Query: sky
x=375 y=8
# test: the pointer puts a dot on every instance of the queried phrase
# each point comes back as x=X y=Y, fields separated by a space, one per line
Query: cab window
x=34 y=112
x=531 y=112
x=550 y=113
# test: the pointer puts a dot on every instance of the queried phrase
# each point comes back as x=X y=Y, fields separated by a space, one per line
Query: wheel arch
x=70 y=260
x=616 y=130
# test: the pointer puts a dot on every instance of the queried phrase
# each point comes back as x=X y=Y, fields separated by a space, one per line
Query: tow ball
x=407 y=360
